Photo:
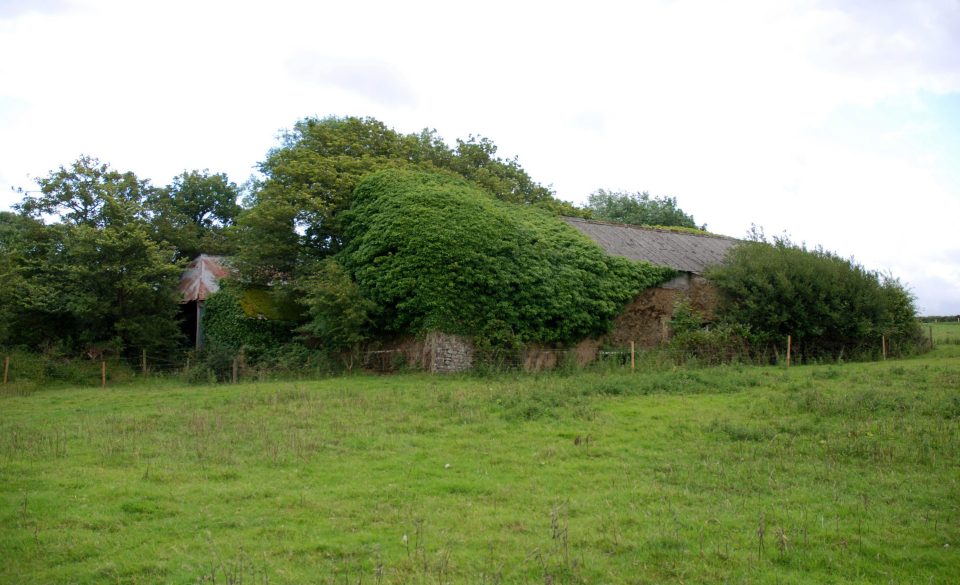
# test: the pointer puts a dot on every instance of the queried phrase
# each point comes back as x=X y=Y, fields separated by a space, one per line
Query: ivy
x=226 y=325
x=435 y=252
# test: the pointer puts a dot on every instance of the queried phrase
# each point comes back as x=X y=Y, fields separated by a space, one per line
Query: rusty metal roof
x=679 y=250
x=201 y=278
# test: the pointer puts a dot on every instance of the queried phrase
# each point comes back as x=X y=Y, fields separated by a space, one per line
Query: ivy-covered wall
x=235 y=318
x=436 y=253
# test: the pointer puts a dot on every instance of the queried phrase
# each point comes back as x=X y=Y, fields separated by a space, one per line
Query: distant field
x=819 y=474
x=945 y=332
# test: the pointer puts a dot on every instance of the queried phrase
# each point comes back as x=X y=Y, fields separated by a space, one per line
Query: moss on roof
x=258 y=302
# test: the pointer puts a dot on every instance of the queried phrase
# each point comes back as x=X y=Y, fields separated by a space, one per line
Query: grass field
x=820 y=474
x=945 y=333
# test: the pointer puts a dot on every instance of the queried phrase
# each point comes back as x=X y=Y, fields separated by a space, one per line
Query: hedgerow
x=435 y=252
x=831 y=306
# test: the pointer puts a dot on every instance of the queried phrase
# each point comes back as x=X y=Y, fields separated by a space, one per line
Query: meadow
x=835 y=473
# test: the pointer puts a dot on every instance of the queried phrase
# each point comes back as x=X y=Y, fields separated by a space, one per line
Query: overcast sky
x=836 y=122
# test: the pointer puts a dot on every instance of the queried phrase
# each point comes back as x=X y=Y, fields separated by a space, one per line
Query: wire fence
x=21 y=367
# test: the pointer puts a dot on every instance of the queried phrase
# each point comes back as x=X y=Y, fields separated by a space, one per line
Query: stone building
x=645 y=320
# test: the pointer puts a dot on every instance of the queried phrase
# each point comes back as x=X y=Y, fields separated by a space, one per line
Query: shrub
x=722 y=343
x=54 y=366
x=435 y=252
x=830 y=306
x=339 y=317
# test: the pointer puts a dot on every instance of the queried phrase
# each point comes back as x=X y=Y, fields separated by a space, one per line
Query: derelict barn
x=200 y=280
x=645 y=320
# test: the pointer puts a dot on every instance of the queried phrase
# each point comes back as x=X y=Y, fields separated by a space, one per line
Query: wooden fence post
x=789 y=343
x=235 y=364
x=186 y=370
x=632 y=354
x=103 y=373
x=143 y=362
x=6 y=370
x=931 y=336
x=883 y=346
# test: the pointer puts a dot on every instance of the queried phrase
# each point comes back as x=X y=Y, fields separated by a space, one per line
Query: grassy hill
x=834 y=473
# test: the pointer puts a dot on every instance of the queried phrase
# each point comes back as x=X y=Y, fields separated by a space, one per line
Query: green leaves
x=87 y=193
x=639 y=209
x=433 y=251
x=311 y=178
x=194 y=212
x=827 y=303
x=339 y=315
x=227 y=325
x=95 y=278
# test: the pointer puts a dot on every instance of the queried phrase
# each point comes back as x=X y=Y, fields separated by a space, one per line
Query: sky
x=836 y=123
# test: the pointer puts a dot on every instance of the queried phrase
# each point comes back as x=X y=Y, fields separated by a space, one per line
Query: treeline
x=89 y=261
x=354 y=231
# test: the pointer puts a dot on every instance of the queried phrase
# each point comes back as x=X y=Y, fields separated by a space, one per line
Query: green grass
x=947 y=333
x=819 y=474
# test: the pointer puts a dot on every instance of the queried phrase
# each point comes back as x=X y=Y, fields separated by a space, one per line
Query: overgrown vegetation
x=731 y=474
x=230 y=325
x=90 y=261
x=639 y=209
x=831 y=306
x=294 y=215
x=357 y=230
x=721 y=343
x=434 y=252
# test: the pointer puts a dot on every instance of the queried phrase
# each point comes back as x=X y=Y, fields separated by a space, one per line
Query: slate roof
x=682 y=251
x=201 y=278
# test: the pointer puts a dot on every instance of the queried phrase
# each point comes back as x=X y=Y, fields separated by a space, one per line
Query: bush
x=435 y=252
x=339 y=317
x=56 y=367
x=720 y=344
x=831 y=306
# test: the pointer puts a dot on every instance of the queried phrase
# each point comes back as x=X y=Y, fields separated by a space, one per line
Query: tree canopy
x=96 y=277
x=311 y=177
x=639 y=209
x=104 y=272
x=193 y=213
x=359 y=230
x=87 y=192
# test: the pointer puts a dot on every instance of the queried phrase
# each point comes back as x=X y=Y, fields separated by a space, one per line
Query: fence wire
x=214 y=367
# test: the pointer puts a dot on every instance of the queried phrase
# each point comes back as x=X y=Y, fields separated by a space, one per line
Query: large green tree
x=194 y=212
x=17 y=235
x=311 y=177
x=93 y=278
x=639 y=209
x=87 y=192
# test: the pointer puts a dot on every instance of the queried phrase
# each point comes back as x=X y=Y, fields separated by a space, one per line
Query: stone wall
x=446 y=353
x=646 y=319
x=435 y=352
